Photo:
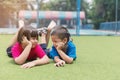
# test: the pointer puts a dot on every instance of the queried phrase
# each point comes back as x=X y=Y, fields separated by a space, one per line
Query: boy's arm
x=59 y=62
x=62 y=54
x=65 y=57
x=57 y=59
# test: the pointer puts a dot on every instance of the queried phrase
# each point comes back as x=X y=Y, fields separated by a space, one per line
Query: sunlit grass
x=98 y=58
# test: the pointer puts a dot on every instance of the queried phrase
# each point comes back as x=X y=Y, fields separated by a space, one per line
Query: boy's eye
x=54 y=41
x=34 y=38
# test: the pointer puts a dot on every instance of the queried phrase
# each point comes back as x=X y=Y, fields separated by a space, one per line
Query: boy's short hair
x=61 y=32
x=27 y=31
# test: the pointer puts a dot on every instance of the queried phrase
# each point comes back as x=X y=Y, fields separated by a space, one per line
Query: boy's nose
x=35 y=40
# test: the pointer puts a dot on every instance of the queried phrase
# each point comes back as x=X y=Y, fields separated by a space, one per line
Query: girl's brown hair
x=27 y=31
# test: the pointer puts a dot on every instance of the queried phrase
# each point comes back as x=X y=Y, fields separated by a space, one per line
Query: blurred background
x=94 y=15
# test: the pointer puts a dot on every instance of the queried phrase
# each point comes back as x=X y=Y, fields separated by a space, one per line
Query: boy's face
x=56 y=41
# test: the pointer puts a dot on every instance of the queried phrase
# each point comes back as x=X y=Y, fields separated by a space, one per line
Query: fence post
x=116 y=16
x=78 y=18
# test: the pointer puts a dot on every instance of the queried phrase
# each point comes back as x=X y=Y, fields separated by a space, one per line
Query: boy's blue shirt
x=71 y=51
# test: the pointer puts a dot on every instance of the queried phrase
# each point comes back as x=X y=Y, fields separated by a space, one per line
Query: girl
x=63 y=50
x=25 y=48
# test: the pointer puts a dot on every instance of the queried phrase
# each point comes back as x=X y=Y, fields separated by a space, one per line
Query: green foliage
x=60 y=5
x=13 y=5
x=103 y=11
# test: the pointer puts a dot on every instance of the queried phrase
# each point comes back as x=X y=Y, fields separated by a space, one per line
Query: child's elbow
x=47 y=60
x=18 y=62
x=69 y=62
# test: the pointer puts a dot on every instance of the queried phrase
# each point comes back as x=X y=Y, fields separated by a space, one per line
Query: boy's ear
x=65 y=40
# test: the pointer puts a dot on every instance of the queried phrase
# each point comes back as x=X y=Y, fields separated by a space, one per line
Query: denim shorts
x=43 y=46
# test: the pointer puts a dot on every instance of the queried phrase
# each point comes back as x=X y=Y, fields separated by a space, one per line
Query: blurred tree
x=8 y=8
x=62 y=5
x=103 y=11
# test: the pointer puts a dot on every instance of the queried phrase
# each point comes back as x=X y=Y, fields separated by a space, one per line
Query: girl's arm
x=24 y=55
x=41 y=61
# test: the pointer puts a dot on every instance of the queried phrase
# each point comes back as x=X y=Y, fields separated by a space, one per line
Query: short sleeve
x=39 y=51
x=71 y=52
x=16 y=50
x=53 y=52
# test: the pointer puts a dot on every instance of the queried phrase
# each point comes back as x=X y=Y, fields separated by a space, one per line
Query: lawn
x=98 y=58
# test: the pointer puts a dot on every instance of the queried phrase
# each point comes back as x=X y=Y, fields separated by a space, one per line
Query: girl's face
x=34 y=41
x=56 y=40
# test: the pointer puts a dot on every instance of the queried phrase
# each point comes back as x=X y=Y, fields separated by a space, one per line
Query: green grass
x=98 y=58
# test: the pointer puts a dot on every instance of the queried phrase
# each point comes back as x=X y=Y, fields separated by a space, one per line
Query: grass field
x=98 y=58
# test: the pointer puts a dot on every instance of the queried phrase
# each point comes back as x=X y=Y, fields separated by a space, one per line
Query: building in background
x=65 y=18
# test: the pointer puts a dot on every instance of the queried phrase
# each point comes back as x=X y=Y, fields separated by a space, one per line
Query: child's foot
x=21 y=23
x=42 y=31
x=51 y=25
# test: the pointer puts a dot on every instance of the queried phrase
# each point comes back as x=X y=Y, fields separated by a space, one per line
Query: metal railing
x=110 y=26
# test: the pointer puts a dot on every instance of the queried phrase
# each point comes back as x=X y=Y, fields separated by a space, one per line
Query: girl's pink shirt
x=36 y=52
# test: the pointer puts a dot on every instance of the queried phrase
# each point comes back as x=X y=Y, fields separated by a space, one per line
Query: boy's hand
x=60 y=45
x=61 y=63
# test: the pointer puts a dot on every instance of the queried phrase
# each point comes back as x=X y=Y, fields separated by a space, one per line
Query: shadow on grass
x=11 y=61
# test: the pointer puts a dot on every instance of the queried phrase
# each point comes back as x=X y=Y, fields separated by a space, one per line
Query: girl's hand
x=61 y=63
x=25 y=40
x=60 y=45
x=28 y=65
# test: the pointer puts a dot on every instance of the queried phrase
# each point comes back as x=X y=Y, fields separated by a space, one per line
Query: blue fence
x=110 y=26
x=87 y=26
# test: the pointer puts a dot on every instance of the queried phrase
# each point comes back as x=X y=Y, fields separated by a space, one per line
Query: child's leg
x=44 y=42
x=46 y=36
x=43 y=39
x=14 y=39
x=8 y=50
x=12 y=42
x=50 y=27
